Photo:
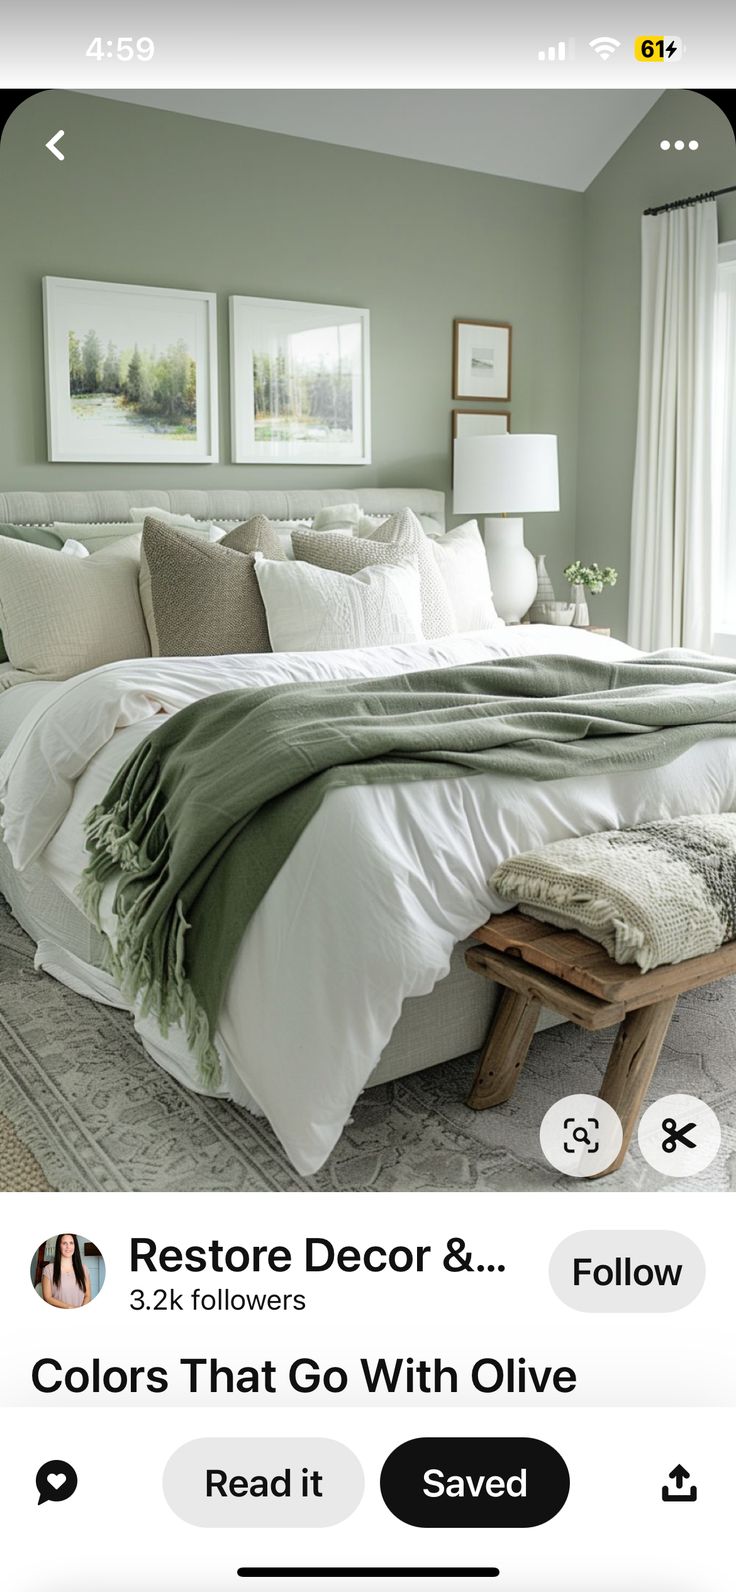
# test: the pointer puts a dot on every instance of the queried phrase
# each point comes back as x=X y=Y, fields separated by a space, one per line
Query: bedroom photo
x=367 y=642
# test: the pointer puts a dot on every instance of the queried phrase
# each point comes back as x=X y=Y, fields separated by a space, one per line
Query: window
x=724 y=453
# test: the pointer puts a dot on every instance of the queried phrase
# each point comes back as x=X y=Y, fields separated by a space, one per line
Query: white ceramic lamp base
x=511 y=567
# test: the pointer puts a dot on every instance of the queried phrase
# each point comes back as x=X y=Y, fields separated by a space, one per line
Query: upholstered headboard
x=85 y=508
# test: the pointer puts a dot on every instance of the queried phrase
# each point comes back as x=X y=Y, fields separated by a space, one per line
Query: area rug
x=86 y=1109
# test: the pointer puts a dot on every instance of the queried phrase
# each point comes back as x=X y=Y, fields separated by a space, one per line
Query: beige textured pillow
x=404 y=531
x=341 y=551
x=61 y=616
x=202 y=599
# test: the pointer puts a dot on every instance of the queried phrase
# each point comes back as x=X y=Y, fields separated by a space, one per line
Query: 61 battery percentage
x=658 y=48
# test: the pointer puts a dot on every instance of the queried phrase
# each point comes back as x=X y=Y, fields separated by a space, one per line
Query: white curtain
x=670 y=595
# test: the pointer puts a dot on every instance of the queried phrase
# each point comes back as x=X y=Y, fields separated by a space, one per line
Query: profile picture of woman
x=68 y=1271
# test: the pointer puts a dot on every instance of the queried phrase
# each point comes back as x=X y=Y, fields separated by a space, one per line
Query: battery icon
x=654 y=47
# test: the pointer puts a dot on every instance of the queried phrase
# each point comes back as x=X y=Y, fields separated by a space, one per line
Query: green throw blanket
x=204 y=814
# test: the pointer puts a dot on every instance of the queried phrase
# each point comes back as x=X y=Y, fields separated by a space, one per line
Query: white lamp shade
x=506 y=474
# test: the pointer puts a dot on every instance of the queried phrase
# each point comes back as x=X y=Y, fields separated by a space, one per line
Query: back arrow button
x=53 y=142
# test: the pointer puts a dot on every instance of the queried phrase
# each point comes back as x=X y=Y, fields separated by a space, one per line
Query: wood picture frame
x=481 y=361
x=489 y=429
x=488 y=423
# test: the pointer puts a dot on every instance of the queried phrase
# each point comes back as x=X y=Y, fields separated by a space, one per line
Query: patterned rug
x=83 y=1108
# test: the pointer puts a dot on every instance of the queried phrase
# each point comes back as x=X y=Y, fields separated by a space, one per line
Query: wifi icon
x=605 y=47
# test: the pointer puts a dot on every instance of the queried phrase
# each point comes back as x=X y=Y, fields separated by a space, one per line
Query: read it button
x=263 y=1481
x=475 y=1481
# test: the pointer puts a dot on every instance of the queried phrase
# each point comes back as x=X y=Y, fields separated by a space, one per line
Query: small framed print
x=481 y=366
x=473 y=423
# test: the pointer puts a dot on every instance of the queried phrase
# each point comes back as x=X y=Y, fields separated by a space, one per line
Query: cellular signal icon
x=605 y=47
x=556 y=52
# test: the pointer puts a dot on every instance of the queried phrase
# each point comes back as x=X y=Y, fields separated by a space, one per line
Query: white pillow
x=61 y=616
x=404 y=531
x=461 y=559
x=338 y=517
x=309 y=609
x=74 y=549
x=183 y=522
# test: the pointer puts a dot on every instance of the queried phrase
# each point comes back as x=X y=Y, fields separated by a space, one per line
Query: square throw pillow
x=200 y=598
x=183 y=522
x=41 y=537
x=318 y=610
x=461 y=559
x=346 y=554
x=404 y=531
x=338 y=517
x=61 y=616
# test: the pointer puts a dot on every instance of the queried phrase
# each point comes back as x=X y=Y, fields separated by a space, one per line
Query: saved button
x=475 y=1481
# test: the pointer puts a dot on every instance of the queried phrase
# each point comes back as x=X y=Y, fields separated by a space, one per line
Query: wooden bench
x=539 y=965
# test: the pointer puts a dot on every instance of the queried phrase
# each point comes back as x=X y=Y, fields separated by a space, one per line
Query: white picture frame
x=298 y=349
x=97 y=411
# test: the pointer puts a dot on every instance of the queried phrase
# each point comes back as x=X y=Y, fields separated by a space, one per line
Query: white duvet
x=381 y=885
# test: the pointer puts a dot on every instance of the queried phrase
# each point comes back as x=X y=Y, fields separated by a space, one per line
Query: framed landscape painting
x=481 y=366
x=131 y=373
x=300 y=377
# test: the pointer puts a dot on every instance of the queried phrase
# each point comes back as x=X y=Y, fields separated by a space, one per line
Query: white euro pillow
x=309 y=609
x=61 y=616
x=181 y=522
x=460 y=557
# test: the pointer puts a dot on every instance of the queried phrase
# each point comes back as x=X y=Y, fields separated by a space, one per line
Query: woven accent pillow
x=404 y=531
x=61 y=616
x=654 y=894
x=317 y=610
x=461 y=560
x=345 y=553
x=199 y=598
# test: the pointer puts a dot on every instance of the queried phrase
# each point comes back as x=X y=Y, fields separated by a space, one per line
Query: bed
x=352 y=969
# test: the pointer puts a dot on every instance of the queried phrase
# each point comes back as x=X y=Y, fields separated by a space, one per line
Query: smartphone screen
x=367 y=799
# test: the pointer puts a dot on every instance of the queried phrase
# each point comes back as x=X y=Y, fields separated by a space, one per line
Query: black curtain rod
x=695 y=199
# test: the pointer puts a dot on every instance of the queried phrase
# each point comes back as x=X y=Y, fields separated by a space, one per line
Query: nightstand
x=597 y=630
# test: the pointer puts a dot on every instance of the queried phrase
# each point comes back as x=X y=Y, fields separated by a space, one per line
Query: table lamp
x=503 y=477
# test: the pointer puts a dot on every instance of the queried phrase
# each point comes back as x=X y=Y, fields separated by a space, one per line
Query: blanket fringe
x=157 y=985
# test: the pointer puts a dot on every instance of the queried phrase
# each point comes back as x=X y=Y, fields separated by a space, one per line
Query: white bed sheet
x=381 y=885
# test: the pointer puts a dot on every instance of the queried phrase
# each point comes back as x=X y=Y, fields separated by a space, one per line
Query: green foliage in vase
x=591 y=576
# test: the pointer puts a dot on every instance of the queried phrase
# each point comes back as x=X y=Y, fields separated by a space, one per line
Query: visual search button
x=494 y=1482
x=581 y=1135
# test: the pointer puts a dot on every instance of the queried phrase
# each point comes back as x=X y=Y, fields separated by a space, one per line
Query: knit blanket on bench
x=662 y=892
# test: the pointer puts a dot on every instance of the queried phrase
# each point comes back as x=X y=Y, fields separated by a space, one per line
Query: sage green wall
x=152 y=197
x=639 y=175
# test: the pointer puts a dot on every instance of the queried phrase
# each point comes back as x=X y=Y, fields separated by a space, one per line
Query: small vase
x=545 y=590
x=511 y=567
x=581 y=616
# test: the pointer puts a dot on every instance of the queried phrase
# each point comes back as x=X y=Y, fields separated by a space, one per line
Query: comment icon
x=56 y=1481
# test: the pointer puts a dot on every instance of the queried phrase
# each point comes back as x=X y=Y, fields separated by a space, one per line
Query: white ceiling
x=561 y=138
